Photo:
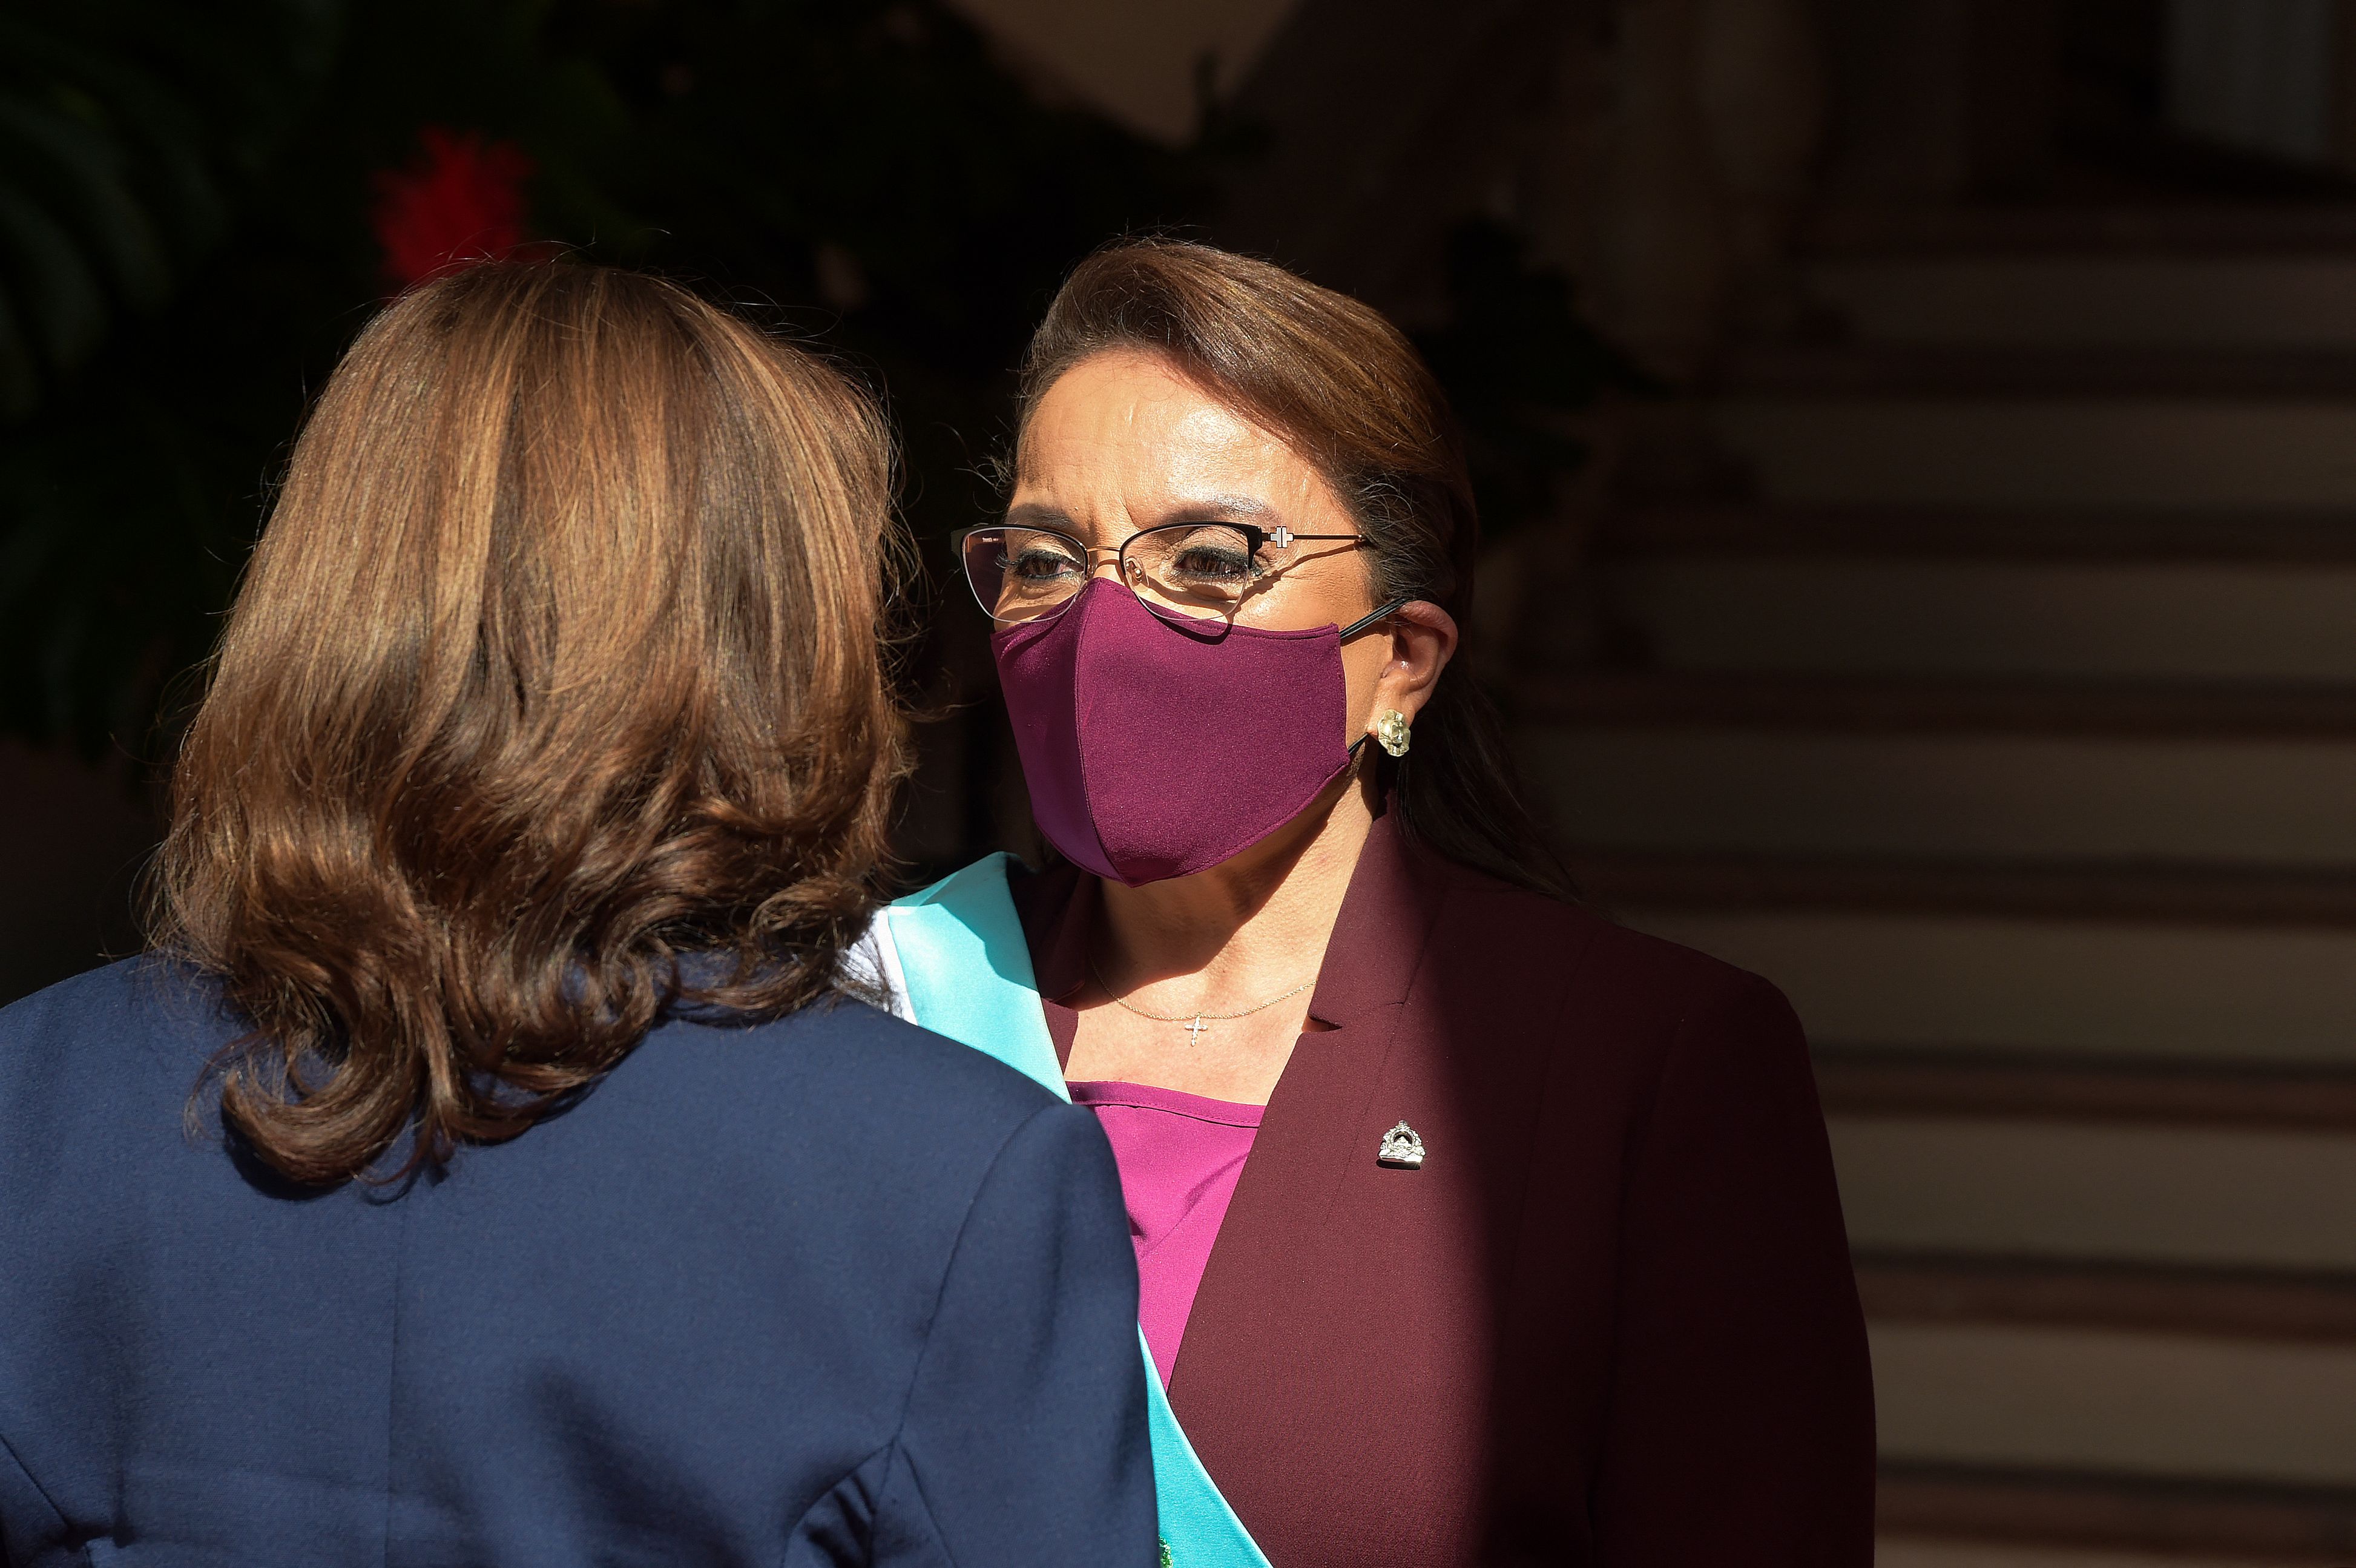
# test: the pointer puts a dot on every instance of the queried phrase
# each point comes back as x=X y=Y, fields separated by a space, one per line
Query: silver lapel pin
x=1402 y=1146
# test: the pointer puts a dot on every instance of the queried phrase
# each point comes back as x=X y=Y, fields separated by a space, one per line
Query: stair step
x=1899 y=1081
x=2179 y=622
x=1615 y=700
x=1934 y=370
x=2061 y=988
x=2045 y=451
x=2103 y=1191
x=2163 y=1406
x=2009 y=730
x=2095 y=299
x=2320 y=536
x=2217 y=1303
x=2237 y=800
x=2077 y=228
x=1954 y=1509
x=1916 y=1551
x=2178 y=893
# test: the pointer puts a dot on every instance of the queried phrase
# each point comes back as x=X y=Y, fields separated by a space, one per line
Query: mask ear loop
x=1363 y=622
x=1353 y=629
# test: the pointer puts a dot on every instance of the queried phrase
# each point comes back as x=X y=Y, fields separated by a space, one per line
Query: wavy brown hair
x=557 y=663
x=1348 y=392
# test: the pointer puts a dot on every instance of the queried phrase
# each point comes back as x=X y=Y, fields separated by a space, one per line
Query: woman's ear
x=1423 y=639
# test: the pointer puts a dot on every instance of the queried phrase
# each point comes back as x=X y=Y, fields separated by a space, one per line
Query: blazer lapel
x=1267 y=1269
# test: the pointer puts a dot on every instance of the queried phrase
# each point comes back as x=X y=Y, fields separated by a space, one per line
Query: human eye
x=1213 y=555
x=1039 y=560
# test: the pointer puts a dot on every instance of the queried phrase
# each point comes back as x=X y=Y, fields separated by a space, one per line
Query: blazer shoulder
x=153 y=988
x=865 y=1044
x=150 y=1009
x=1511 y=927
x=884 y=1079
x=126 y=1045
x=1617 y=1024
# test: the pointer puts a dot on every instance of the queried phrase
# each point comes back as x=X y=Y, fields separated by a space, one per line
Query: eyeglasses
x=1187 y=568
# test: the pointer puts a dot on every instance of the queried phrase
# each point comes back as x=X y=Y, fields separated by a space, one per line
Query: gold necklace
x=1195 y=1026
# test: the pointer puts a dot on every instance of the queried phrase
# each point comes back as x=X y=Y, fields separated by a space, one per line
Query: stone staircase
x=2012 y=728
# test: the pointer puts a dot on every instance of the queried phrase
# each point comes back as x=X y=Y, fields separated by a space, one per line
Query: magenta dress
x=1180 y=1155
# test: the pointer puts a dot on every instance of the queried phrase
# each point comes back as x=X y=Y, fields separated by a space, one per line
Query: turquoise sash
x=956 y=953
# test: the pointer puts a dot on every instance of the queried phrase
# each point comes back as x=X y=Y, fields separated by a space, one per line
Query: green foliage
x=123 y=126
x=185 y=249
x=141 y=405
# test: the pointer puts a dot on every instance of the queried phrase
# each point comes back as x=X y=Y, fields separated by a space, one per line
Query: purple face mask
x=1158 y=749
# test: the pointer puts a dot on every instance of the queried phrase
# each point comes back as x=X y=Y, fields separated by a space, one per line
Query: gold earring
x=1392 y=731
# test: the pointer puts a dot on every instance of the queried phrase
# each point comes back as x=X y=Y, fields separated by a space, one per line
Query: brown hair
x=1349 y=393
x=558 y=662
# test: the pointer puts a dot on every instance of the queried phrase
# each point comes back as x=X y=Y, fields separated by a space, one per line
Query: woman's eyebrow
x=1229 y=509
x=1032 y=514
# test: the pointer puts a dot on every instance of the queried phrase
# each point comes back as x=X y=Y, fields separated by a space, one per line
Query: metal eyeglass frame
x=1256 y=536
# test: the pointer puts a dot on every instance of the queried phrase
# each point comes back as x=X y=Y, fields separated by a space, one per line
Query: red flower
x=460 y=198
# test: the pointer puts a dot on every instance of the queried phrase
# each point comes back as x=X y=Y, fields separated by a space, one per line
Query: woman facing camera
x=545 y=1200
x=1471 y=1227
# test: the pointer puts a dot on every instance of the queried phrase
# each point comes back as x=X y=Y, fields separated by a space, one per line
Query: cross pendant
x=1196 y=1030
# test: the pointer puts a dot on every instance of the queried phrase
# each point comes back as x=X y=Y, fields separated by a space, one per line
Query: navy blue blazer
x=827 y=1289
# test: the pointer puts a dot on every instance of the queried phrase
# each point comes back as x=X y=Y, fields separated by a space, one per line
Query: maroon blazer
x=1610 y=1320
